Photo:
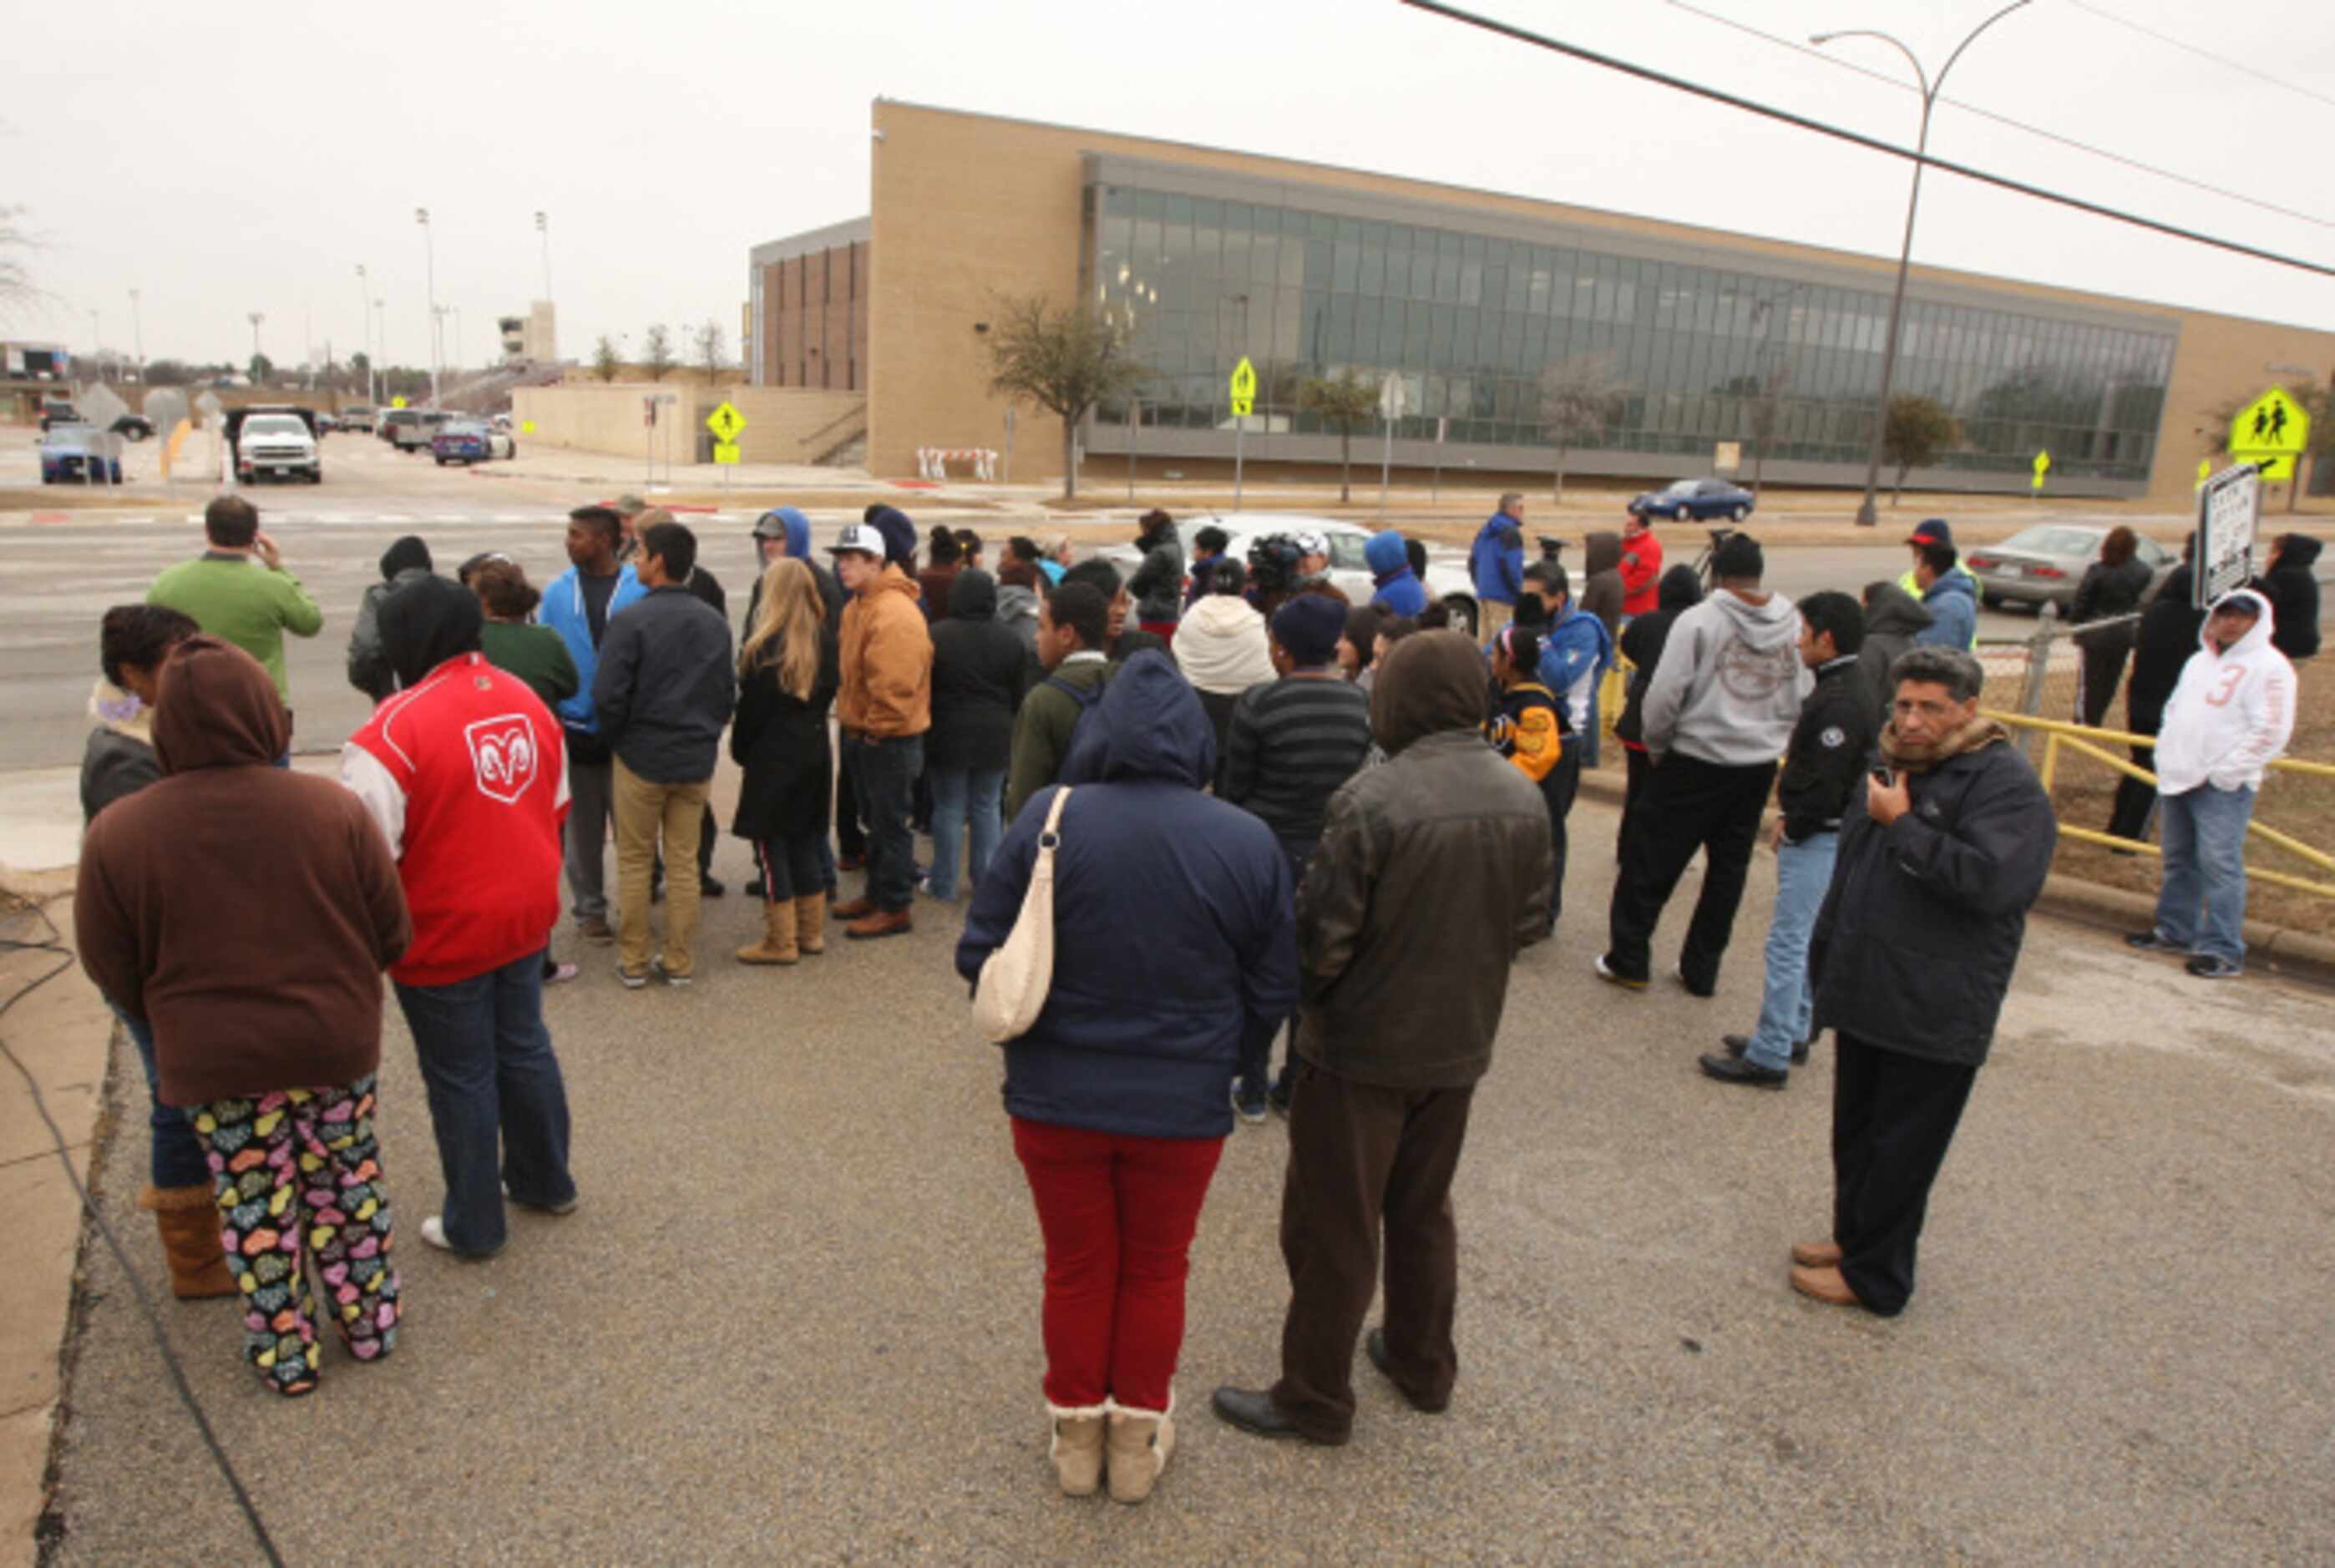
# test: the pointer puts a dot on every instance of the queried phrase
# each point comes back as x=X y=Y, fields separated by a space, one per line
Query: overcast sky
x=249 y=157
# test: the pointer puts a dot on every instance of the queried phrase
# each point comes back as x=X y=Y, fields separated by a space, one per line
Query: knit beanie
x=1309 y=626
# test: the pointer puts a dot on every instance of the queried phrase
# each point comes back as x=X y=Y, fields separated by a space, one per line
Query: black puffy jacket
x=2167 y=636
x=1921 y=929
x=978 y=666
x=2294 y=595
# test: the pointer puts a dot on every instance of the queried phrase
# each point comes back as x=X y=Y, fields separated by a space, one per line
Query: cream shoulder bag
x=1015 y=978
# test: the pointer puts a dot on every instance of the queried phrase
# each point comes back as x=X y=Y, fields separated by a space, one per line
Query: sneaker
x=2208 y=968
x=712 y=886
x=595 y=929
x=433 y=1231
x=1249 y=1099
x=634 y=979
x=666 y=976
x=1705 y=991
x=1279 y=1098
x=1605 y=972
x=566 y=1208
x=561 y=973
x=2150 y=942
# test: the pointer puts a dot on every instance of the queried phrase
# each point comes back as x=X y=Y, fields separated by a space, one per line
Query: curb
x=2288 y=954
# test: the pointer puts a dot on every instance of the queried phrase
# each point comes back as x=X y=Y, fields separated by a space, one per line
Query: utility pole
x=543 y=227
x=137 y=336
x=96 y=344
x=256 y=318
x=430 y=257
x=364 y=307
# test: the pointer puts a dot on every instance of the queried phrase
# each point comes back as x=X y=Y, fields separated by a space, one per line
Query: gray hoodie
x=1730 y=685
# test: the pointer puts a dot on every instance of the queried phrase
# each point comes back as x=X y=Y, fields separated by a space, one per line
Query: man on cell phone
x=222 y=592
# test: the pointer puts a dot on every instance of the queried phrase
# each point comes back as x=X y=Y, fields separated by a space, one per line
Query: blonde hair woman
x=787 y=677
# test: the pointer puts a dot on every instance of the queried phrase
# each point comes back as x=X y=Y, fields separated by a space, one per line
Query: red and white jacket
x=467 y=775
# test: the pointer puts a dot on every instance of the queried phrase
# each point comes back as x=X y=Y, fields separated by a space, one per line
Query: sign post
x=1394 y=397
x=2042 y=467
x=1244 y=400
x=1134 y=436
x=1009 y=442
x=1442 y=428
x=2229 y=512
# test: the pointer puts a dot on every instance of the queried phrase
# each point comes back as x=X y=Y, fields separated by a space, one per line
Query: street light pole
x=96 y=344
x=137 y=335
x=364 y=308
x=1866 y=514
x=543 y=227
x=430 y=257
x=256 y=318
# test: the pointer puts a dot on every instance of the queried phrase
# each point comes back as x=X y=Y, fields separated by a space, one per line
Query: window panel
x=1447 y=267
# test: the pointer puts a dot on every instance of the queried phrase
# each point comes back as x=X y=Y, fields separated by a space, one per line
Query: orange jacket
x=888 y=660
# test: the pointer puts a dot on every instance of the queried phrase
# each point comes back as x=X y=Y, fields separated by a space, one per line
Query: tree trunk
x=1345 y=465
x=1897 y=490
x=1069 y=459
x=1558 y=495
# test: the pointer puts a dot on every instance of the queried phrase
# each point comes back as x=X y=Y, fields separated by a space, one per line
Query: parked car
x=393 y=420
x=326 y=424
x=1446 y=581
x=1694 y=500
x=461 y=441
x=357 y=417
x=274 y=442
x=413 y=435
x=76 y=454
x=2043 y=565
x=136 y=426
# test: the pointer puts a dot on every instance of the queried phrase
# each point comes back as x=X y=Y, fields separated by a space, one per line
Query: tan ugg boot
x=778 y=944
x=1140 y=1443
x=1076 y=1448
x=811 y=922
x=188 y=1220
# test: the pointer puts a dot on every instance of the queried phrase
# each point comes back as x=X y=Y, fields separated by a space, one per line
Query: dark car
x=136 y=426
x=1695 y=500
x=56 y=412
x=76 y=453
x=461 y=441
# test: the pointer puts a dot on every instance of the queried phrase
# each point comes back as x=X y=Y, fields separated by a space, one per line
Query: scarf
x=1908 y=757
x=121 y=711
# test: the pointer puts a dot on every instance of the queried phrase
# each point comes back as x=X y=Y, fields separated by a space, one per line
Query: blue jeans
x=175 y=1156
x=487 y=1061
x=959 y=793
x=885 y=771
x=2202 y=905
x=1788 y=1008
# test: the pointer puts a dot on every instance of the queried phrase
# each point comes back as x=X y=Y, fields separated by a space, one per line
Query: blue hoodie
x=1496 y=562
x=563 y=611
x=1952 y=604
x=899 y=536
x=1399 y=589
x=1577 y=647
x=1156 y=1000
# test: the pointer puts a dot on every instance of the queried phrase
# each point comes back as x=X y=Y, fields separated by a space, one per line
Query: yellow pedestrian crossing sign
x=397 y=402
x=1244 y=389
x=2042 y=467
x=725 y=452
x=2271 y=431
x=725 y=422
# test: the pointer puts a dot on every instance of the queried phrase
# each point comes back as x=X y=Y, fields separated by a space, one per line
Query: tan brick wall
x=966 y=206
x=783 y=424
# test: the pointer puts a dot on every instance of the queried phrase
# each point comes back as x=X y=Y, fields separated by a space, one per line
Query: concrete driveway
x=797 y=1316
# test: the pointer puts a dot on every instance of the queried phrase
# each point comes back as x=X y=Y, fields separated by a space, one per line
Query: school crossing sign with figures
x=2270 y=431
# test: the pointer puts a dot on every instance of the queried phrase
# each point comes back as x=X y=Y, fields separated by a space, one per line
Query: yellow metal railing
x=2086 y=741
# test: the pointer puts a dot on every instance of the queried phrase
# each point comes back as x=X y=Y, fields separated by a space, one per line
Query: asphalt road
x=797 y=1316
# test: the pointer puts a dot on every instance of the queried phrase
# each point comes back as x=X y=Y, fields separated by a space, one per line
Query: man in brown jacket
x=1433 y=873
x=883 y=709
x=246 y=912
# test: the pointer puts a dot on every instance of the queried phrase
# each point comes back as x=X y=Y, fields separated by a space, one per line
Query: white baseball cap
x=858 y=537
x=1311 y=543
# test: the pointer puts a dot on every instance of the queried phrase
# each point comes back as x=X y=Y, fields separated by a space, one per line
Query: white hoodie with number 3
x=2232 y=714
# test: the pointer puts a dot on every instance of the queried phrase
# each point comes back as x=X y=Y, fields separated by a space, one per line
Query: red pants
x=1117 y=1213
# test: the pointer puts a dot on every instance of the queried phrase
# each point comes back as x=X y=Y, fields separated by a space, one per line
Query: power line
x=2222 y=59
x=1798 y=48
x=1874 y=144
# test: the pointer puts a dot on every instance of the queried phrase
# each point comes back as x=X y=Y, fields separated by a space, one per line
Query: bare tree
x=1579 y=399
x=1766 y=413
x=657 y=355
x=1065 y=359
x=17 y=289
x=1349 y=400
x=713 y=351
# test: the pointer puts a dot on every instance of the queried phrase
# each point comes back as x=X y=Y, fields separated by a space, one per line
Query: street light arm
x=1911 y=59
x=1966 y=43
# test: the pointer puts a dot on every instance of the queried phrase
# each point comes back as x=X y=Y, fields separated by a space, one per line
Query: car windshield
x=2055 y=541
x=274 y=425
x=1683 y=488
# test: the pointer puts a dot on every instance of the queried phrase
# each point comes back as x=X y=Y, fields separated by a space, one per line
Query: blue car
x=76 y=454
x=1693 y=499
x=463 y=442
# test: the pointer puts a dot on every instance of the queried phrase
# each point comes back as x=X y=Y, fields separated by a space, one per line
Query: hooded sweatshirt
x=1155 y=999
x=1158 y=584
x=1601 y=589
x=2232 y=714
x=1017 y=601
x=245 y=911
x=1497 y=560
x=1222 y=646
x=1730 y=683
x=978 y=669
x=407 y=560
x=1577 y=651
x=1892 y=621
x=465 y=772
x=798 y=537
x=1952 y=604
x=1400 y=591
x=2294 y=595
x=888 y=660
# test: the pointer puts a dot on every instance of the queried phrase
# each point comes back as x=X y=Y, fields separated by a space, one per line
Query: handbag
x=1017 y=976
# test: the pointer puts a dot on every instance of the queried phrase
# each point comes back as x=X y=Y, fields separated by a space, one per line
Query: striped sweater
x=1292 y=743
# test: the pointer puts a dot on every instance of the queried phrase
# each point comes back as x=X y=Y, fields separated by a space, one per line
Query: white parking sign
x=2229 y=510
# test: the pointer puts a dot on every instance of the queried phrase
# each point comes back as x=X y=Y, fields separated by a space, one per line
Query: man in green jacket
x=1073 y=626
x=237 y=590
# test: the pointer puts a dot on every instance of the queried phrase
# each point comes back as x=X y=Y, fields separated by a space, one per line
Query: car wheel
x=1739 y=512
x=442 y=462
x=1684 y=514
x=1463 y=614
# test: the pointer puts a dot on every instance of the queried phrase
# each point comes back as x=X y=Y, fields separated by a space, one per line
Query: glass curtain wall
x=1700 y=355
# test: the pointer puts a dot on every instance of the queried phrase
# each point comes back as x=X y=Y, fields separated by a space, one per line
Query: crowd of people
x=1266 y=811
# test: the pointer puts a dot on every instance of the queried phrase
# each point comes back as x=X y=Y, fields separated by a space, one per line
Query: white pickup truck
x=274 y=443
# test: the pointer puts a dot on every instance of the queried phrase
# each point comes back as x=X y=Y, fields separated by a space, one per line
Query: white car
x=1445 y=581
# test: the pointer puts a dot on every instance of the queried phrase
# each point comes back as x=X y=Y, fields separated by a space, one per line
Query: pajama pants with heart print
x=300 y=1194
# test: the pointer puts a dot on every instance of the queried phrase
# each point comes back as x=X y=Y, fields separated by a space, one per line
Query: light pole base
x=1867 y=516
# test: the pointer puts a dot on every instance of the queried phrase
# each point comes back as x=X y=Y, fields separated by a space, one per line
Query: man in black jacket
x=1914 y=949
x=1408 y=920
x=664 y=691
x=1829 y=748
x=2170 y=627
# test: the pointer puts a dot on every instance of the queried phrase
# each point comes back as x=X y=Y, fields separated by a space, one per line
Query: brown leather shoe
x=857 y=909
x=1817 y=1254
x=882 y=923
x=1823 y=1284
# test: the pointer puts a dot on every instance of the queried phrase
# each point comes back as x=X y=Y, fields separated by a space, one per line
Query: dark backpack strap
x=1084 y=696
